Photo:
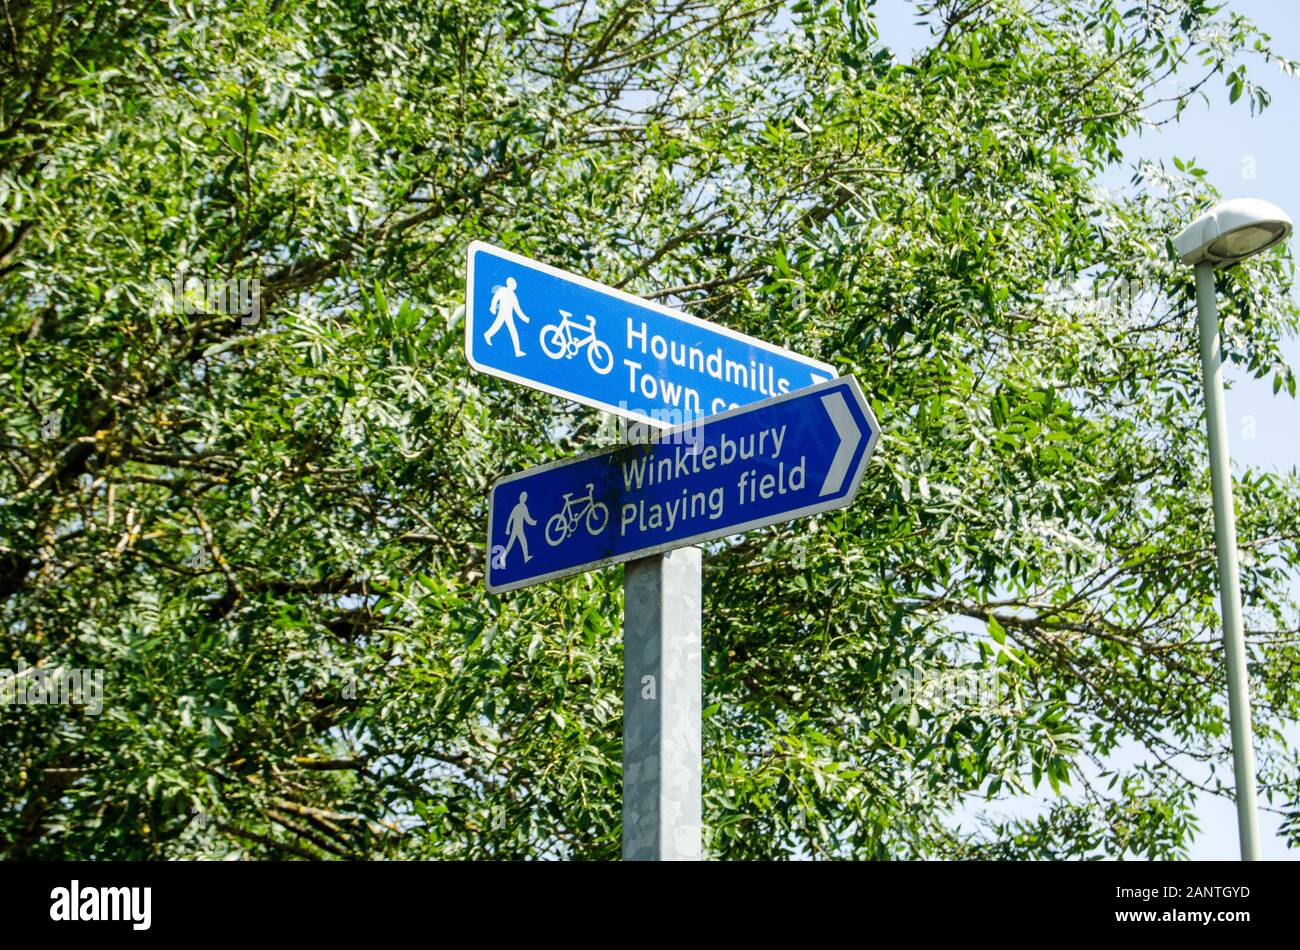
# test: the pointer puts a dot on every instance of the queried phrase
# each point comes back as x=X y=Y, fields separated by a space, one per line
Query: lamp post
x=1229 y=232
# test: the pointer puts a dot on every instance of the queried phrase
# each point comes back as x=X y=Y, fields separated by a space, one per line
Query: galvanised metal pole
x=1225 y=540
x=661 y=707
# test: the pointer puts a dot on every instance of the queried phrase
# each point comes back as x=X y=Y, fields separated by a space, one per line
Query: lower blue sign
x=776 y=460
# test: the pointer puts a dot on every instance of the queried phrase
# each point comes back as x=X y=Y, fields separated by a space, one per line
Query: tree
x=265 y=524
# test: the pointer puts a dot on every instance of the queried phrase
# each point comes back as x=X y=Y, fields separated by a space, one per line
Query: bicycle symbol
x=563 y=340
x=565 y=523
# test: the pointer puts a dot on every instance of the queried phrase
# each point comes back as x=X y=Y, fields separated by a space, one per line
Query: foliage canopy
x=269 y=534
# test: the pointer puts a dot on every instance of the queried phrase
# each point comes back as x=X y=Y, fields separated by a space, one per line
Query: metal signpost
x=662 y=626
x=765 y=436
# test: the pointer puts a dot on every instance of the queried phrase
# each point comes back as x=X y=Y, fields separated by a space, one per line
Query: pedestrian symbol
x=505 y=307
x=519 y=517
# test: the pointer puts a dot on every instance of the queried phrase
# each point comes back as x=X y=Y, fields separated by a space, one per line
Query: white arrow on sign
x=850 y=435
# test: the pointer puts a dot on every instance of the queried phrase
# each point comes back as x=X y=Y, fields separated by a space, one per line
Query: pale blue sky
x=1243 y=155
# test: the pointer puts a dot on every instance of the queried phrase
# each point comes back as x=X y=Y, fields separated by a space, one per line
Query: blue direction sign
x=780 y=459
x=593 y=344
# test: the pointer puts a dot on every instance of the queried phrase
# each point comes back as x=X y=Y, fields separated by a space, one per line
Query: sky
x=1244 y=156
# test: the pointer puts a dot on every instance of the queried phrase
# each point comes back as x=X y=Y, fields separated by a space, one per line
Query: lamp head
x=1232 y=231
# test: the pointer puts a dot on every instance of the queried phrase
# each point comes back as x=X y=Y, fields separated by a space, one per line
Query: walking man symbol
x=519 y=517
x=505 y=306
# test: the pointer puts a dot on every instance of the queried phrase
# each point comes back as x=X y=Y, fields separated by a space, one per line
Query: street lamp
x=1229 y=232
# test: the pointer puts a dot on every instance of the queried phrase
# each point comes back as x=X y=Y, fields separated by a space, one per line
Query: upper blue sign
x=783 y=458
x=575 y=338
